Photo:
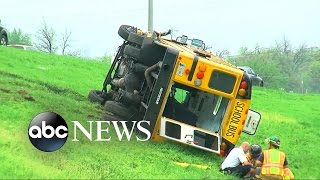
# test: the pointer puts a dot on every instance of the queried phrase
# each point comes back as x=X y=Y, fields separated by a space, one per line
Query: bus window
x=180 y=95
x=206 y=140
x=213 y=112
x=173 y=130
x=222 y=82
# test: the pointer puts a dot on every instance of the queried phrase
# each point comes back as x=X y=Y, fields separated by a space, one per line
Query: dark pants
x=239 y=170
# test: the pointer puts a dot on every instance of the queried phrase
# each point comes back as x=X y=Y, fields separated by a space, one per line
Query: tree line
x=283 y=66
x=46 y=40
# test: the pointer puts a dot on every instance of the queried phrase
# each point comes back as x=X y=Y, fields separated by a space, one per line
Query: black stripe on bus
x=193 y=67
x=160 y=88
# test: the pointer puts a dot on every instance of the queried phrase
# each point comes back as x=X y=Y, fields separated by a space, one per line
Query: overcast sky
x=223 y=24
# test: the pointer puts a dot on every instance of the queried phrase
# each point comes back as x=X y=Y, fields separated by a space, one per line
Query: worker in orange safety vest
x=273 y=162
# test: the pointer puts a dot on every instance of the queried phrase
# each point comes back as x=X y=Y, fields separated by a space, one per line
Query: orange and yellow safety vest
x=273 y=162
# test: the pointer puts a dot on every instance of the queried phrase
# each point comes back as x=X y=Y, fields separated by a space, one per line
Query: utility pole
x=150 y=16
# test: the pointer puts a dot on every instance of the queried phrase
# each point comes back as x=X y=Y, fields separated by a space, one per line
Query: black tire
x=261 y=84
x=120 y=110
x=132 y=51
x=124 y=31
x=3 y=40
x=151 y=53
x=135 y=38
x=96 y=96
x=147 y=55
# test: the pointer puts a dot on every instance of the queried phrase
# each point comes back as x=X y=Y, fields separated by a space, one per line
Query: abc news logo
x=48 y=131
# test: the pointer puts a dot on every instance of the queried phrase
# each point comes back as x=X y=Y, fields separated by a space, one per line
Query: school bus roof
x=202 y=54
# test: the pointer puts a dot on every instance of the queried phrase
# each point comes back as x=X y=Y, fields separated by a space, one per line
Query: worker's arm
x=285 y=164
x=259 y=160
x=244 y=161
x=258 y=163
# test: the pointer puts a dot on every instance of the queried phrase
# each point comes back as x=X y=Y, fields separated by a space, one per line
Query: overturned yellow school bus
x=186 y=93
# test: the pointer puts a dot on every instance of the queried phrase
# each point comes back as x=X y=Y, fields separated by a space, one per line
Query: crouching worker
x=273 y=162
x=236 y=162
x=254 y=153
x=252 y=156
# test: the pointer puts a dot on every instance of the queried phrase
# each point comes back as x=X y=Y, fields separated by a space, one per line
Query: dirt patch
x=25 y=95
x=50 y=87
x=5 y=90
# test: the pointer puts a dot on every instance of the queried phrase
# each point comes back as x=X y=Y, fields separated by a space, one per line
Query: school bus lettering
x=159 y=95
x=240 y=104
x=231 y=130
x=235 y=119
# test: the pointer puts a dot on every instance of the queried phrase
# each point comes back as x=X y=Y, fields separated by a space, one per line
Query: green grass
x=32 y=82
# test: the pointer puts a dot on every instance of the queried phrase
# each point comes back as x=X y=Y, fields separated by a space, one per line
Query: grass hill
x=33 y=82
